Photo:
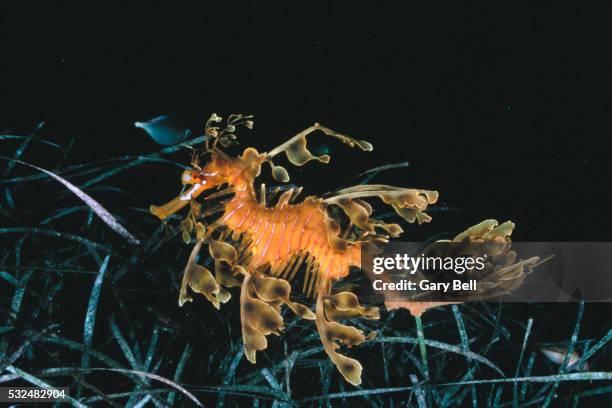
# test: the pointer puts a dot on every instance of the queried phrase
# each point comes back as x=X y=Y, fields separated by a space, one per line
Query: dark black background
x=501 y=107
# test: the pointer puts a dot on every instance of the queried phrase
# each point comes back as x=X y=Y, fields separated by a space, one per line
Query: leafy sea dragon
x=261 y=248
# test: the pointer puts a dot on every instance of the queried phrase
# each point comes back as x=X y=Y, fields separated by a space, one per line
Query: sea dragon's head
x=220 y=169
x=198 y=180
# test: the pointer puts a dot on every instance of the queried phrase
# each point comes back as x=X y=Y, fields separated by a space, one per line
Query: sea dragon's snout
x=166 y=210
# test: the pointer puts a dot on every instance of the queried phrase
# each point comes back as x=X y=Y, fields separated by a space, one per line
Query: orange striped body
x=275 y=235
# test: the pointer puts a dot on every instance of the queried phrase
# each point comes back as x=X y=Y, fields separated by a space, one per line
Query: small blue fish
x=164 y=130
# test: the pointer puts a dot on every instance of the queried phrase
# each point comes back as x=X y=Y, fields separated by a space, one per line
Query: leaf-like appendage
x=261 y=299
x=253 y=341
x=297 y=151
x=334 y=334
x=202 y=281
x=270 y=289
x=259 y=319
x=344 y=301
x=301 y=310
x=280 y=173
x=345 y=305
x=408 y=203
x=278 y=290
x=199 y=279
x=263 y=317
x=359 y=212
x=485 y=229
x=200 y=231
x=222 y=251
x=187 y=225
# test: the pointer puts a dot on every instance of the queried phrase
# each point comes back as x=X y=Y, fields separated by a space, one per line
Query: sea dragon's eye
x=190 y=177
